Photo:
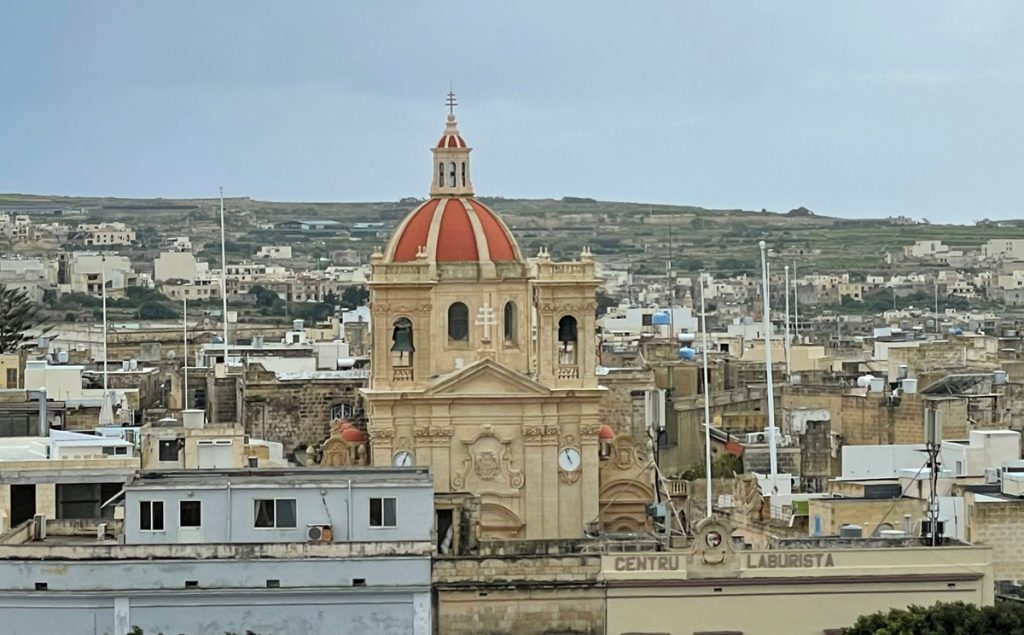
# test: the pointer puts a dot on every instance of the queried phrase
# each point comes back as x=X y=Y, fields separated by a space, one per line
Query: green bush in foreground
x=956 y=618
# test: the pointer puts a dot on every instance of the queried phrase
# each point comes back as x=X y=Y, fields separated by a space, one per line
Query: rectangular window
x=151 y=515
x=382 y=512
x=270 y=513
x=169 y=450
x=190 y=514
x=12 y=377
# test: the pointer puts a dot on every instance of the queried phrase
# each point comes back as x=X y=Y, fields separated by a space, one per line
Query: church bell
x=401 y=339
x=567 y=330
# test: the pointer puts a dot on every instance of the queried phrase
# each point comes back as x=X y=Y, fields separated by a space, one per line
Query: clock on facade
x=402 y=458
x=569 y=459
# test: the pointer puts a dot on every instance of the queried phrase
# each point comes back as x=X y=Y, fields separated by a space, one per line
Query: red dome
x=451 y=141
x=453 y=230
x=606 y=433
x=345 y=425
x=353 y=435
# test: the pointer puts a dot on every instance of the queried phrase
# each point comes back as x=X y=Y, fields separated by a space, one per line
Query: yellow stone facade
x=509 y=411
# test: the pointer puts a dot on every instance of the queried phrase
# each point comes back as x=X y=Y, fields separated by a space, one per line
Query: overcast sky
x=854 y=108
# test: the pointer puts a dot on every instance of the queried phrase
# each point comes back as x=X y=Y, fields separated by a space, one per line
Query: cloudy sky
x=852 y=108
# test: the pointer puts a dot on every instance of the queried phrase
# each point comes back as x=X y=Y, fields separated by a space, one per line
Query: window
x=273 y=513
x=115 y=450
x=12 y=377
x=440 y=174
x=463 y=174
x=151 y=515
x=190 y=514
x=169 y=450
x=458 y=322
x=382 y=512
x=509 y=322
x=452 y=175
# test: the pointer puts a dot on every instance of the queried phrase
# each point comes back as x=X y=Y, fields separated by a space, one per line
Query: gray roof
x=289 y=476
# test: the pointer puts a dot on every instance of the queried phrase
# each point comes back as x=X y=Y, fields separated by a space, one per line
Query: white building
x=274 y=252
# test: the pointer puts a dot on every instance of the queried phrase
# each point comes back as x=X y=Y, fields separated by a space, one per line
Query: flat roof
x=289 y=476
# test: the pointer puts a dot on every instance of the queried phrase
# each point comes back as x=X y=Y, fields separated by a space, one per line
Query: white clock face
x=403 y=458
x=569 y=459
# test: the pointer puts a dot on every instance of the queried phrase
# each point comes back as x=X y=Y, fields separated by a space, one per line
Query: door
x=23 y=503
x=214 y=454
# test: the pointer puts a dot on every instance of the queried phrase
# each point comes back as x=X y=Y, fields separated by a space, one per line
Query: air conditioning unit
x=992 y=475
x=319 y=533
x=761 y=437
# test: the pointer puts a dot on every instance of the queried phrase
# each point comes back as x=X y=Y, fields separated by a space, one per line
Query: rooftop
x=293 y=476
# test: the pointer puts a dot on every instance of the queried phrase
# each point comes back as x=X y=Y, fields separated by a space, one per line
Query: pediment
x=486 y=377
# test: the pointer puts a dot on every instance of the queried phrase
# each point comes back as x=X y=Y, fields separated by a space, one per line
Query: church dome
x=452 y=226
x=453 y=230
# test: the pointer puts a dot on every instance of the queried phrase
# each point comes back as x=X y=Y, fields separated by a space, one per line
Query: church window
x=509 y=322
x=440 y=174
x=463 y=174
x=458 y=322
x=452 y=175
x=402 y=347
x=567 y=340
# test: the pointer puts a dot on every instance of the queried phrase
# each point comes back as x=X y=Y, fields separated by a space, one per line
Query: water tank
x=62 y=357
x=686 y=338
x=999 y=377
x=909 y=386
x=296 y=325
x=955 y=330
x=892 y=534
x=851 y=531
x=126 y=365
x=661 y=318
x=901 y=371
x=877 y=384
x=864 y=381
x=346 y=362
x=686 y=353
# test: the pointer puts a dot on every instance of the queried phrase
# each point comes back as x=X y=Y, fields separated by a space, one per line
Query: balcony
x=568 y=372
x=400 y=375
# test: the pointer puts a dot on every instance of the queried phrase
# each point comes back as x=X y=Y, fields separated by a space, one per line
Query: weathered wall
x=519 y=595
x=998 y=525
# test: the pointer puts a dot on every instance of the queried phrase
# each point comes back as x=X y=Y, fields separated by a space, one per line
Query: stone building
x=483 y=368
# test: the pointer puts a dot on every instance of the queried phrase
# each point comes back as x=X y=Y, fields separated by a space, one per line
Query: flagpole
x=707 y=398
x=223 y=278
x=767 y=326
x=789 y=356
x=184 y=348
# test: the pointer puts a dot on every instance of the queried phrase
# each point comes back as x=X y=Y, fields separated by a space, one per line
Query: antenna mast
x=223 y=278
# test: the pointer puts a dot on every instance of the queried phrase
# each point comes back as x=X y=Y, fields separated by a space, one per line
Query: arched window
x=509 y=322
x=567 y=340
x=452 y=175
x=463 y=174
x=440 y=174
x=458 y=322
x=402 y=347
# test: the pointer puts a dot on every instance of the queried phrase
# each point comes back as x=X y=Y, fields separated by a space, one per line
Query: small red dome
x=606 y=433
x=353 y=435
x=453 y=230
x=451 y=141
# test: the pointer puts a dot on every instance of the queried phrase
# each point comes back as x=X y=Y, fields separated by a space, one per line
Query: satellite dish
x=170 y=355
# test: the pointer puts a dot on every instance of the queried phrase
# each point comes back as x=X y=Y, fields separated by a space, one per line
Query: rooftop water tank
x=686 y=353
x=661 y=318
x=851 y=531
x=864 y=381
x=686 y=338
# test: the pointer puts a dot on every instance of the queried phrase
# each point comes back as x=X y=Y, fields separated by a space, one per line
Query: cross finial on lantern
x=450 y=102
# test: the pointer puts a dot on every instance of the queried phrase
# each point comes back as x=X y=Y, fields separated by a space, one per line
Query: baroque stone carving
x=487 y=464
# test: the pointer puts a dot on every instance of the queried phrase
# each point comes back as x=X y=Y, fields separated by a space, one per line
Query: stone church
x=484 y=366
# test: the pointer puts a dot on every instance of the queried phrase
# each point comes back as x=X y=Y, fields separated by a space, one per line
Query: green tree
x=355 y=296
x=954 y=618
x=156 y=311
x=18 y=315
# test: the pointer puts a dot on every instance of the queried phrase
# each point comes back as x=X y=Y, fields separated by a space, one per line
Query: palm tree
x=18 y=315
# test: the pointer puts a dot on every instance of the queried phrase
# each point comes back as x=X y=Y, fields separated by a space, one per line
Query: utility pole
x=223 y=279
x=796 y=305
x=767 y=325
x=707 y=398
x=184 y=351
x=789 y=362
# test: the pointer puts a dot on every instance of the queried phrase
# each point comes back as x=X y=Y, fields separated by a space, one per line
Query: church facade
x=484 y=365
